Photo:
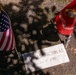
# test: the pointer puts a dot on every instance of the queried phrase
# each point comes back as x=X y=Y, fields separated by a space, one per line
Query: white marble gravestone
x=53 y=56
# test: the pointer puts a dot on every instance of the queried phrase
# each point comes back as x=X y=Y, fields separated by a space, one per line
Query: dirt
x=34 y=28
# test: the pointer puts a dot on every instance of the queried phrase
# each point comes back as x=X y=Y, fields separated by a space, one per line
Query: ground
x=34 y=28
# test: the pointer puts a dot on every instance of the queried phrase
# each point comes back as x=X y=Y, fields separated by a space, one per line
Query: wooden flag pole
x=18 y=53
x=68 y=40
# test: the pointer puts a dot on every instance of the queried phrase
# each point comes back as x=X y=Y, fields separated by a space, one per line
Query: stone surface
x=34 y=28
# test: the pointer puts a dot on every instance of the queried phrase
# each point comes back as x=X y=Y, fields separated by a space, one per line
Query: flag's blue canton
x=4 y=21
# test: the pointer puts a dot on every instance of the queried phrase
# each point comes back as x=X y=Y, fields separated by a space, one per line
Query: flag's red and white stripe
x=7 y=41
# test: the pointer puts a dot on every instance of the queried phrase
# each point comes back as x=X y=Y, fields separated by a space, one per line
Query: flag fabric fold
x=7 y=40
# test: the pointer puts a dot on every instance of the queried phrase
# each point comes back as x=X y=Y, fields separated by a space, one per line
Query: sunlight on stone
x=11 y=65
x=29 y=1
x=24 y=26
x=11 y=55
x=31 y=12
x=15 y=8
x=8 y=60
x=30 y=19
x=32 y=7
x=5 y=2
x=46 y=3
x=31 y=42
x=15 y=61
x=34 y=32
x=24 y=40
x=23 y=47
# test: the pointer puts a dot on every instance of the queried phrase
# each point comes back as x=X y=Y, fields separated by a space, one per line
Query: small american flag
x=7 y=41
